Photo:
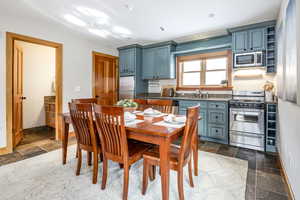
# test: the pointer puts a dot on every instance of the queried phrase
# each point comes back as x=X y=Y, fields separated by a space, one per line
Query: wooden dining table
x=144 y=131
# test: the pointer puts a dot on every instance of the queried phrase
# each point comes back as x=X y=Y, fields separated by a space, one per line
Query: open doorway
x=14 y=87
x=35 y=64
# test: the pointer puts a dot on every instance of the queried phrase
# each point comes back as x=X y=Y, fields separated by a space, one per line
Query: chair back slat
x=165 y=106
x=190 y=130
x=85 y=100
x=82 y=121
x=111 y=127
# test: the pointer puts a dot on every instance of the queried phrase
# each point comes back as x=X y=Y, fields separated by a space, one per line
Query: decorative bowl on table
x=128 y=104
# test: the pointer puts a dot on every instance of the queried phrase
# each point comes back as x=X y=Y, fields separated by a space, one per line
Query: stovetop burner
x=248 y=99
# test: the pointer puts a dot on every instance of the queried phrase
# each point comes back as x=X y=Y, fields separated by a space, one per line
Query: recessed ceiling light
x=91 y=12
x=129 y=7
x=121 y=30
x=74 y=20
x=101 y=33
x=211 y=15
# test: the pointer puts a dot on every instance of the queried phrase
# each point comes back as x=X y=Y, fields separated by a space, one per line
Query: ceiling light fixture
x=74 y=20
x=101 y=33
x=121 y=30
x=91 y=12
x=162 y=28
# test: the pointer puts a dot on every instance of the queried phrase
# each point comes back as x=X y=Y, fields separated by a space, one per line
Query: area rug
x=45 y=178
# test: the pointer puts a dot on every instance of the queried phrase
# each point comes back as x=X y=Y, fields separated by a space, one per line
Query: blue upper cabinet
x=148 y=63
x=251 y=37
x=257 y=39
x=157 y=63
x=240 y=41
x=127 y=62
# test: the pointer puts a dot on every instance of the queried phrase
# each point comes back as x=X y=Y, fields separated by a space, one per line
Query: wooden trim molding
x=216 y=54
x=286 y=179
x=10 y=39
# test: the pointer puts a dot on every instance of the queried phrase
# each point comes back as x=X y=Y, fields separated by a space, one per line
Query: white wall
x=38 y=78
x=15 y=16
x=289 y=126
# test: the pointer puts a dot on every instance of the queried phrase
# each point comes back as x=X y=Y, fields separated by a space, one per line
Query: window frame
x=202 y=71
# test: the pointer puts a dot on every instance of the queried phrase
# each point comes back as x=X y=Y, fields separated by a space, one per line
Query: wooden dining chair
x=163 y=105
x=115 y=146
x=86 y=135
x=85 y=100
x=142 y=103
x=179 y=155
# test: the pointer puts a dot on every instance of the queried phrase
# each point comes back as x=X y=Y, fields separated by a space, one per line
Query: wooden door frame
x=94 y=54
x=10 y=39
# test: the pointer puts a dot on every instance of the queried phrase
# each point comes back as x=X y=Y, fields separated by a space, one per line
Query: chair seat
x=136 y=150
x=153 y=154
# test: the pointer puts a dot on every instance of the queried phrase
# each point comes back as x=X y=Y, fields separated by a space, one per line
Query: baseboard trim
x=286 y=179
x=4 y=150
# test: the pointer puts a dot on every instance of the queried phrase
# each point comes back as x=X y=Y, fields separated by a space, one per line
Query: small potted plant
x=129 y=104
x=269 y=87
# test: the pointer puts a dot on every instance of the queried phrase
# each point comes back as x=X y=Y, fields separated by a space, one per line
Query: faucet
x=198 y=93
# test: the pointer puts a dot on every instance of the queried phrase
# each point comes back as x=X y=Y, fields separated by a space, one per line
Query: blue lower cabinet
x=218 y=132
x=214 y=123
x=216 y=116
x=202 y=124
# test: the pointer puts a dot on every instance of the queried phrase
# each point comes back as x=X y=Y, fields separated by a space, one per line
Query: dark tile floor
x=264 y=179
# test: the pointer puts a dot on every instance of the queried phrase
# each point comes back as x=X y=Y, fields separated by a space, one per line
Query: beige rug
x=44 y=177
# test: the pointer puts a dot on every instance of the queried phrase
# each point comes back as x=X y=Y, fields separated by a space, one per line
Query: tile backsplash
x=254 y=83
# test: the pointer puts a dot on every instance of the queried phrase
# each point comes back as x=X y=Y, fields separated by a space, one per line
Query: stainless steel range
x=247 y=119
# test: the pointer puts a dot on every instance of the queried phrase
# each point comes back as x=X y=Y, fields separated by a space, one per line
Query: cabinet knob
x=245 y=49
x=251 y=48
x=217 y=131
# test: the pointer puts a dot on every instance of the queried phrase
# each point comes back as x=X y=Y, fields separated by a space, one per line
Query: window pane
x=216 y=63
x=215 y=77
x=194 y=65
x=191 y=79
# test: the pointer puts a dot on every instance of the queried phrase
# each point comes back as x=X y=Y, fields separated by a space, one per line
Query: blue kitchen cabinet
x=240 y=41
x=148 y=71
x=157 y=62
x=249 y=40
x=127 y=61
x=214 y=123
x=257 y=39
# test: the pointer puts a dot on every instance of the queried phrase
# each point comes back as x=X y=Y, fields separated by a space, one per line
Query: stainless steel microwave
x=252 y=59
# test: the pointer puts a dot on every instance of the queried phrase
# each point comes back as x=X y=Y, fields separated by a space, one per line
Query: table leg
x=164 y=167
x=65 y=137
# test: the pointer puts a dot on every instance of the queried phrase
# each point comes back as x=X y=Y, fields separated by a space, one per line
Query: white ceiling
x=182 y=19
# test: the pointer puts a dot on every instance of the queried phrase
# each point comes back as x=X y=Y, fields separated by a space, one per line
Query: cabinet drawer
x=217 y=132
x=216 y=116
x=186 y=104
x=217 y=105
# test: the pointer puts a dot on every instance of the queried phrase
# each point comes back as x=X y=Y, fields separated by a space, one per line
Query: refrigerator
x=127 y=87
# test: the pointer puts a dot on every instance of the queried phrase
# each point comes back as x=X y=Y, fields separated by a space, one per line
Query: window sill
x=210 y=88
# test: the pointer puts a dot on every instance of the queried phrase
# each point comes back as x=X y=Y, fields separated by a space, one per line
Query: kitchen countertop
x=190 y=98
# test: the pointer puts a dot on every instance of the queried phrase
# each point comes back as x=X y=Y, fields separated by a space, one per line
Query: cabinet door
x=131 y=61
x=240 y=41
x=217 y=132
x=148 y=63
x=202 y=125
x=162 y=62
x=122 y=63
x=256 y=38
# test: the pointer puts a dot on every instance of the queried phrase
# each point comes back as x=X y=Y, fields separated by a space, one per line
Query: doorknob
x=97 y=96
x=23 y=98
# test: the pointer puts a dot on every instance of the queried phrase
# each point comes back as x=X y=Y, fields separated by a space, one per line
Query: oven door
x=247 y=120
